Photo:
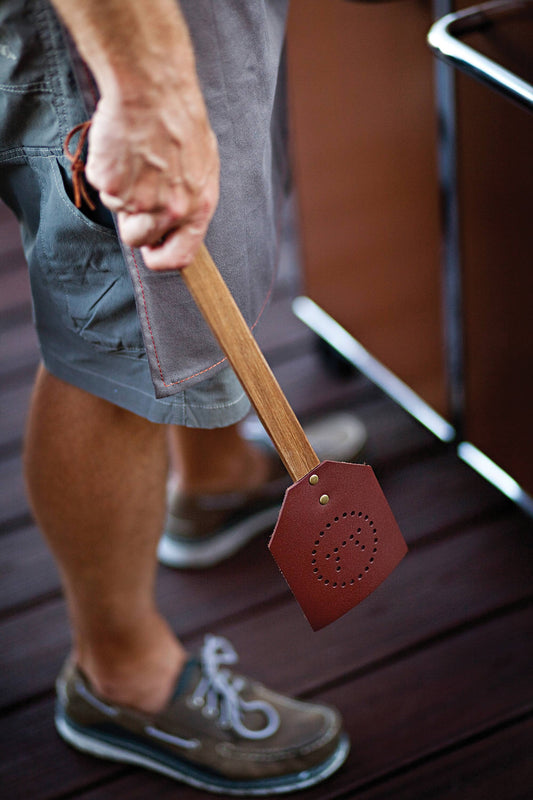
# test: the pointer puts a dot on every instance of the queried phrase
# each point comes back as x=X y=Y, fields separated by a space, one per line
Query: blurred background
x=415 y=187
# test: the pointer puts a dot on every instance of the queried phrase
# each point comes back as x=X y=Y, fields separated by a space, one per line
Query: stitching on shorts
x=90 y=84
x=183 y=380
x=50 y=31
x=178 y=413
x=207 y=369
x=215 y=406
x=24 y=88
x=24 y=153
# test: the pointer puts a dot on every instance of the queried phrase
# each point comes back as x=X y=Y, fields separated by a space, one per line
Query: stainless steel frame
x=443 y=40
x=451 y=52
x=353 y=351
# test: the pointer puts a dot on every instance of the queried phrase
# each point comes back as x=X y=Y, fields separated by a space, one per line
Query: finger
x=113 y=203
x=132 y=185
x=176 y=251
x=144 y=229
x=148 y=194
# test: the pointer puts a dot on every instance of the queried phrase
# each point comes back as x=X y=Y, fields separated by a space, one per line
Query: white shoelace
x=218 y=692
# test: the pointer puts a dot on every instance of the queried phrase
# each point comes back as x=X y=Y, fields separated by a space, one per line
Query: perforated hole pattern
x=351 y=534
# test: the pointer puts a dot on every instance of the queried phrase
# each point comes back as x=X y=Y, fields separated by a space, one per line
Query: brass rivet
x=324 y=500
x=313 y=480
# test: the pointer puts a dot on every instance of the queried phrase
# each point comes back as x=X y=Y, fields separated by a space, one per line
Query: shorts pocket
x=83 y=260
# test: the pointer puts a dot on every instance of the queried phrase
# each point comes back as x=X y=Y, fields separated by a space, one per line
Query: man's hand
x=157 y=166
x=152 y=153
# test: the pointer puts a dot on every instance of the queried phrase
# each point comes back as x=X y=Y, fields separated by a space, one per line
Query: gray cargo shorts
x=105 y=323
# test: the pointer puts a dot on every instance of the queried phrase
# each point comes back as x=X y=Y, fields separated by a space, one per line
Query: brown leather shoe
x=220 y=732
x=202 y=530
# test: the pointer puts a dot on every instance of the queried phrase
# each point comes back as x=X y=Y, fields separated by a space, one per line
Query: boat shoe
x=203 y=529
x=220 y=732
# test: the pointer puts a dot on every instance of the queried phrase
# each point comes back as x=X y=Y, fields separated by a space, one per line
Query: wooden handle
x=218 y=307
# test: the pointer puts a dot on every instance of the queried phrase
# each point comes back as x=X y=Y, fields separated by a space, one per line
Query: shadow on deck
x=433 y=672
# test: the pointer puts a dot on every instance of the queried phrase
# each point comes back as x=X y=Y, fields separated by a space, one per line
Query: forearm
x=132 y=46
x=152 y=153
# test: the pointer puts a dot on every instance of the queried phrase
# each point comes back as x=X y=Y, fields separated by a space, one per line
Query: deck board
x=18 y=351
x=432 y=672
x=14 y=289
x=424 y=500
x=28 y=573
x=426 y=597
x=497 y=765
x=438 y=694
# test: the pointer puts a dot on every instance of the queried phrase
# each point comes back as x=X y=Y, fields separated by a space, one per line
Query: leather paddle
x=336 y=538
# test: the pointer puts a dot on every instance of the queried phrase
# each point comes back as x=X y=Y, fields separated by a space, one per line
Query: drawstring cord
x=77 y=164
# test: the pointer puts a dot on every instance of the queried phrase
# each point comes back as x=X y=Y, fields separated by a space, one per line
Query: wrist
x=134 y=49
x=145 y=86
x=143 y=74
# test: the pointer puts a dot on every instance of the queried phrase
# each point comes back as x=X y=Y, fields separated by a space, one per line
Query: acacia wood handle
x=221 y=312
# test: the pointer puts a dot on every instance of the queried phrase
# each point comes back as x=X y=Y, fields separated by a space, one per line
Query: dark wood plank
x=27 y=569
x=8 y=222
x=427 y=498
x=36 y=643
x=14 y=405
x=426 y=596
x=499 y=766
x=39 y=765
x=13 y=503
x=18 y=350
x=432 y=495
x=11 y=253
x=14 y=289
x=439 y=699
x=12 y=256
x=14 y=315
x=435 y=589
x=396 y=716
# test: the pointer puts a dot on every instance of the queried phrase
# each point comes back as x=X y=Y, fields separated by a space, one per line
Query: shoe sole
x=110 y=749
x=198 y=555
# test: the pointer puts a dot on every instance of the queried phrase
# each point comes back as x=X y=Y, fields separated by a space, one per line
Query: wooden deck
x=433 y=672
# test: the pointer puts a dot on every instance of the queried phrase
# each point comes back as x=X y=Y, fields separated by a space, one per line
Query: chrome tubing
x=442 y=39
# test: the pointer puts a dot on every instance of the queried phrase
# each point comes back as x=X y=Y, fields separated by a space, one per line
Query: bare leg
x=216 y=460
x=96 y=480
